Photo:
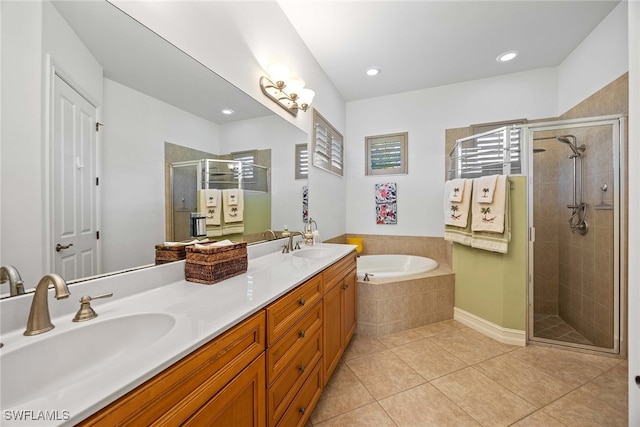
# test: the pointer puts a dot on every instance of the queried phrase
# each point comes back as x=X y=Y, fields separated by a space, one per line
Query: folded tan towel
x=483 y=188
x=489 y=216
x=457 y=213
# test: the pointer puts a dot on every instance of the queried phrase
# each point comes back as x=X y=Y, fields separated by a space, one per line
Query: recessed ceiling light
x=507 y=56
x=373 y=71
x=227 y=111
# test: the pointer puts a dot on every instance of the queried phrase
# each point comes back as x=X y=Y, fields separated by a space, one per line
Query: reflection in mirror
x=140 y=93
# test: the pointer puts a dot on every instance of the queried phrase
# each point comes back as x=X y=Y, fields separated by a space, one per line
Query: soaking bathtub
x=401 y=293
x=390 y=266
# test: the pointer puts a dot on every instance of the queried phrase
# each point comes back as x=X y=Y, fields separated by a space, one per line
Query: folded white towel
x=483 y=188
x=233 y=211
x=211 y=197
x=233 y=197
x=212 y=214
x=457 y=214
x=490 y=216
x=457 y=190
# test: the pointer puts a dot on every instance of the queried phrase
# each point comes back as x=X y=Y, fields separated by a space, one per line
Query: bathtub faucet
x=366 y=277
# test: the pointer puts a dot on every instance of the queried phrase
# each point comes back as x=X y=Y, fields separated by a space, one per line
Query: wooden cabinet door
x=241 y=403
x=333 y=343
x=349 y=306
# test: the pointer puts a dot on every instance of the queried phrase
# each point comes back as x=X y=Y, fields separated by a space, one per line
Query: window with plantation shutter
x=386 y=154
x=302 y=161
x=328 y=146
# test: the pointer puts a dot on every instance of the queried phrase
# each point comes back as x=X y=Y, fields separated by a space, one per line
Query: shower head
x=577 y=151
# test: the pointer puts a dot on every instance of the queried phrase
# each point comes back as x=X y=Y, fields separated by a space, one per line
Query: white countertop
x=201 y=313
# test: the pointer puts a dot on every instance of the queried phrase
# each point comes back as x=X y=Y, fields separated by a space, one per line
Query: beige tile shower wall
x=589 y=301
x=431 y=247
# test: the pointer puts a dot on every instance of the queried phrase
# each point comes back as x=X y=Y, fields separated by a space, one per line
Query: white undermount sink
x=51 y=362
x=313 y=253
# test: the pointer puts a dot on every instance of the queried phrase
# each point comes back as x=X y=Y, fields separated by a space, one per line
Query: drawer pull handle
x=302 y=410
x=301 y=368
x=345 y=286
x=302 y=302
x=301 y=334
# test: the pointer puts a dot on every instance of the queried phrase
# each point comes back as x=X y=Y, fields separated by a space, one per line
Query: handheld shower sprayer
x=577 y=151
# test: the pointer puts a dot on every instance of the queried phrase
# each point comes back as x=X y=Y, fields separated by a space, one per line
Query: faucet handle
x=86 y=312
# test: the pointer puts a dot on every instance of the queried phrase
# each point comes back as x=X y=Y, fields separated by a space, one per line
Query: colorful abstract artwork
x=386 y=193
x=386 y=206
x=305 y=203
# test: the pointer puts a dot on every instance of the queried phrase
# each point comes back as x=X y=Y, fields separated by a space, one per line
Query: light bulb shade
x=294 y=85
x=279 y=72
x=306 y=96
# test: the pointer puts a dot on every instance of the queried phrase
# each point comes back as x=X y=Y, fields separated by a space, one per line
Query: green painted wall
x=493 y=286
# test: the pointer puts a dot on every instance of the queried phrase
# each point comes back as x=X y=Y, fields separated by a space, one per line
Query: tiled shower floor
x=553 y=327
x=446 y=374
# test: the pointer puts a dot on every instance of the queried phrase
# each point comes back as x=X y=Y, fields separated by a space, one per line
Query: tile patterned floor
x=553 y=327
x=447 y=374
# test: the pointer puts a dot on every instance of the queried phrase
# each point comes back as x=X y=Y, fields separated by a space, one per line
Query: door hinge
x=98 y=124
x=97 y=235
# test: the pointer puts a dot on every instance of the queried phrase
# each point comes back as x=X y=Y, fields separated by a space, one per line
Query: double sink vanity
x=255 y=349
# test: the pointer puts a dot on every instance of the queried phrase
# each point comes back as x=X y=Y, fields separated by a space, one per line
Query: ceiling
x=425 y=43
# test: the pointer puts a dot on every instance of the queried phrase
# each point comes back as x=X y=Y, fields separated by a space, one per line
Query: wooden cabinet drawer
x=283 y=313
x=334 y=274
x=285 y=350
x=285 y=387
x=300 y=409
x=181 y=389
x=240 y=403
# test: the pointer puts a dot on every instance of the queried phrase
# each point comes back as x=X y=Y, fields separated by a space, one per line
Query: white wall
x=136 y=126
x=278 y=135
x=598 y=60
x=30 y=32
x=634 y=211
x=425 y=115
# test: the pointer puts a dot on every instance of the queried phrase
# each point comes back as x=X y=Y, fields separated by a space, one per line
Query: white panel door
x=74 y=184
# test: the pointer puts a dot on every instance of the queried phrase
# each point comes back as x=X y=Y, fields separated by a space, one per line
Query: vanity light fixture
x=286 y=90
x=507 y=56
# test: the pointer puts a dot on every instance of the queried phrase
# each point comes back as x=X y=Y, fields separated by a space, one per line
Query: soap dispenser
x=286 y=232
x=308 y=233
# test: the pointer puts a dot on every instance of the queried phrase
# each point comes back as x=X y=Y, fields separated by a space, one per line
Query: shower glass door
x=575 y=246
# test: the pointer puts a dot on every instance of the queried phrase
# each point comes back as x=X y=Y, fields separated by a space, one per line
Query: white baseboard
x=498 y=333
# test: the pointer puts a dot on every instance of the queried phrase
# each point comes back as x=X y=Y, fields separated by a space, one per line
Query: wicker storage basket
x=165 y=253
x=212 y=264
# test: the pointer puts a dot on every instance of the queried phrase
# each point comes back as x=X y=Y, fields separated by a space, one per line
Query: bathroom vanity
x=253 y=350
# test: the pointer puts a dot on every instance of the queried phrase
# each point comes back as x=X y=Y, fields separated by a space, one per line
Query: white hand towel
x=457 y=214
x=233 y=211
x=212 y=214
x=483 y=188
x=490 y=216
x=233 y=197
x=211 y=196
x=457 y=190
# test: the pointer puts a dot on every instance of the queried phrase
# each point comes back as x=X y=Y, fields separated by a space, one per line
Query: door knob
x=60 y=247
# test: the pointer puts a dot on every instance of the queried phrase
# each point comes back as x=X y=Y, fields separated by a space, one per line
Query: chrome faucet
x=288 y=247
x=269 y=231
x=10 y=273
x=39 y=318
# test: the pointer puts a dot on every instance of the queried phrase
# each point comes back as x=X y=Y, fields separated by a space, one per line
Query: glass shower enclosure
x=576 y=188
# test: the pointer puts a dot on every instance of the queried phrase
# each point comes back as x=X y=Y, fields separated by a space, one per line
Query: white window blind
x=327 y=146
x=248 y=159
x=302 y=161
x=386 y=154
x=491 y=152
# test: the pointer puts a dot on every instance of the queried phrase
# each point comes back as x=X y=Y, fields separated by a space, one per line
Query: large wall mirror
x=73 y=67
